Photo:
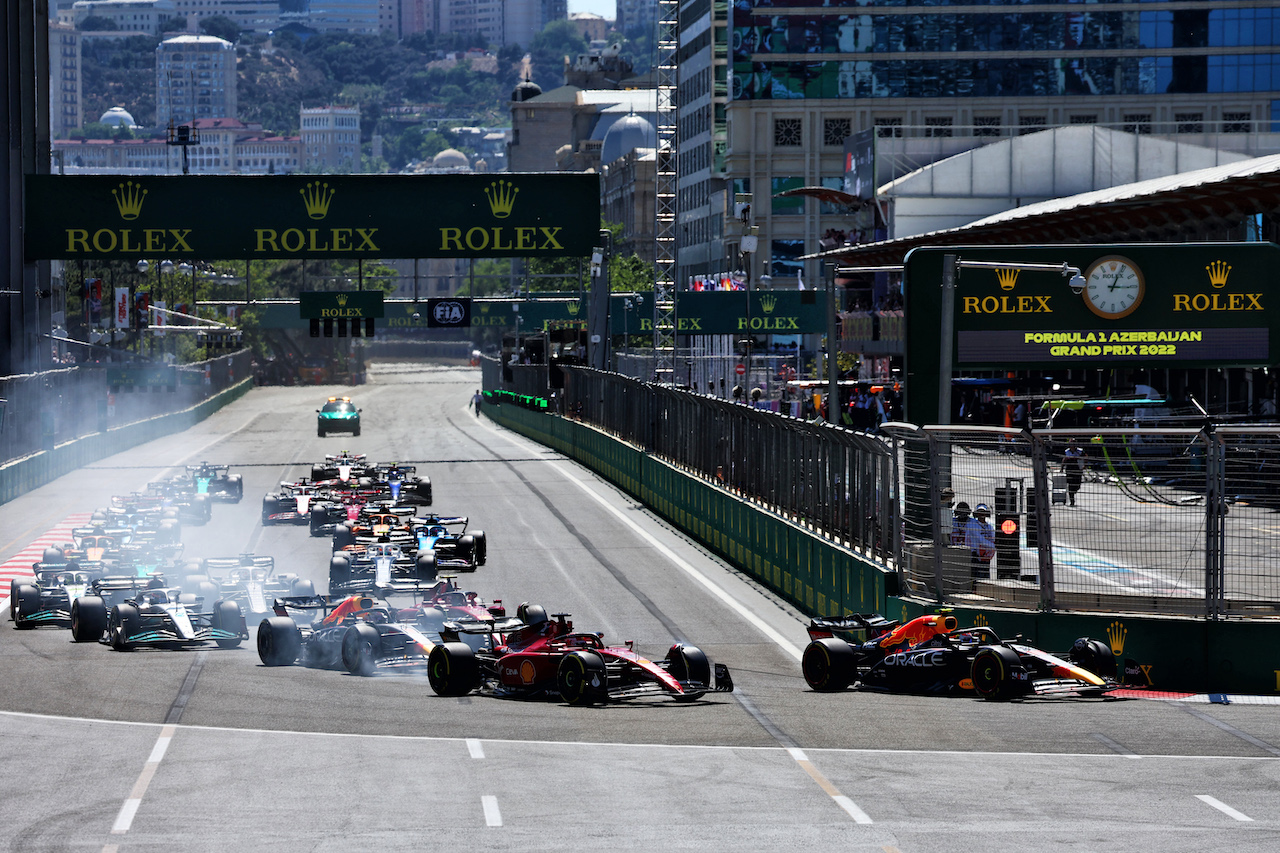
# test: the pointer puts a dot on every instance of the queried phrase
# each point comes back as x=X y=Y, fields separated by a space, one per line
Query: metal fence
x=1178 y=521
x=42 y=410
x=837 y=482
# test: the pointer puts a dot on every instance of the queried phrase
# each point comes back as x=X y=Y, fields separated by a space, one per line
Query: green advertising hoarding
x=214 y=217
x=1184 y=305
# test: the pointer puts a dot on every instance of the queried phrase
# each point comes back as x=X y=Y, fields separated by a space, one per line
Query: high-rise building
x=65 y=88
x=260 y=16
x=499 y=21
x=331 y=138
x=195 y=79
x=344 y=16
x=126 y=16
x=813 y=88
x=702 y=94
x=635 y=15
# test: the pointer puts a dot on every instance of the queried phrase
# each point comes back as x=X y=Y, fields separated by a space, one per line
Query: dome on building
x=118 y=117
x=525 y=90
x=451 y=158
x=626 y=135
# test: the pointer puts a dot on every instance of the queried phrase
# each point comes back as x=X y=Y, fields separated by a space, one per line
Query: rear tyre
x=339 y=573
x=301 y=588
x=425 y=566
x=279 y=641
x=431 y=620
x=122 y=624
x=360 y=645
x=581 y=678
x=829 y=665
x=993 y=671
x=452 y=669
x=342 y=537
x=531 y=614
x=424 y=490
x=235 y=487
x=88 y=619
x=191 y=583
x=53 y=555
x=317 y=474
x=689 y=664
x=1095 y=656
x=482 y=547
x=227 y=617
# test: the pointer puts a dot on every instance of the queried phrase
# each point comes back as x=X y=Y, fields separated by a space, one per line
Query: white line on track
x=124 y=819
x=858 y=815
x=1223 y=807
x=474 y=748
x=492 y=817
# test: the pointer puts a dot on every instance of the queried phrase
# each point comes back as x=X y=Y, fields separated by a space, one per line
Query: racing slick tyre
x=202 y=506
x=319 y=517
x=360 y=646
x=993 y=671
x=689 y=664
x=829 y=665
x=1095 y=656
x=227 y=617
x=423 y=489
x=24 y=600
x=302 y=588
x=169 y=532
x=122 y=623
x=53 y=555
x=279 y=641
x=425 y=566
x=342 y=537
x=339 y=573
x=581 y=678
x=482 y=547
x=88 y=619
x=235 y=487
x=191 y=583
x=452 y=669
x=207 y=590
x=270 y=506
x=318 y=474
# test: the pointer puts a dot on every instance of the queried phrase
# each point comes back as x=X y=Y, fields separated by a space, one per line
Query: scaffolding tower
x=664 y=286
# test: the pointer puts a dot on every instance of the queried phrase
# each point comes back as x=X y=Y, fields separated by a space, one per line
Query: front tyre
x=581 y=678
x=227 y=617
x=828 y=665
x=993 y=672
x=123 y=622
x=689 y=666
x=24 y=601
x=360 y=645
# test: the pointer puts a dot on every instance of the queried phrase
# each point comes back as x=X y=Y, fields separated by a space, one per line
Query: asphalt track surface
x=210 y=751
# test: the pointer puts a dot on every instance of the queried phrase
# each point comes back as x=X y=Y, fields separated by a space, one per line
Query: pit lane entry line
x=1224 y=808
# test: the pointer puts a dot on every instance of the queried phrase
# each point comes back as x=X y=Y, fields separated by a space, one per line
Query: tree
x=221 y=27
x=174 y=25
x=558 y=40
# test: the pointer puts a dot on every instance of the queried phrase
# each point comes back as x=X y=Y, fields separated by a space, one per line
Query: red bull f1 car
x=933 y=655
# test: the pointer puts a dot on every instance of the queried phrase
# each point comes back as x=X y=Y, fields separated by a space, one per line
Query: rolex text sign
x=311 y=216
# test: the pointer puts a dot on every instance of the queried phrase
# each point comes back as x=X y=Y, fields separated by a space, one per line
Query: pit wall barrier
x=30 y=472
x=820 y=578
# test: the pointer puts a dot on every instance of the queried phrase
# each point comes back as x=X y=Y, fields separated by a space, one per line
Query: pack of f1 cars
x=250 y=580
x=547 y=658
x=362 y=635
x=932 y=655
x=380 y=565
x=124 y=617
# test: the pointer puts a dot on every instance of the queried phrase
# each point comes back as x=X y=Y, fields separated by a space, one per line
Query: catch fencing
x=43 y=410
x=1174 y=521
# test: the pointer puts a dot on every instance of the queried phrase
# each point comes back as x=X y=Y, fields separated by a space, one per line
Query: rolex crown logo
x=574 y=308
x=980 y=621
x=768 y=302
x=1117 y=634
x=1218 y=272
x=342 y=300
x=1007 y=278
x=129 y=199
x=484 y=308
x=316 y=196
x=502 y=197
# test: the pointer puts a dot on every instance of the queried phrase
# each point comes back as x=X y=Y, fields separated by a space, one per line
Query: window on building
x=1086 y=118
x=792 y=206
x=888 y=127
x=1189 y=122
x=1030 y=124
x=1237 y=122
x=986 y=125
x=836 y=130
x=787 y=132
x=937 y=126
x=1137 y=123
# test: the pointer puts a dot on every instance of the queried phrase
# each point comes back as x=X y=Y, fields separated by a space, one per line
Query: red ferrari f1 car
x=547 y=658
x=932 y=655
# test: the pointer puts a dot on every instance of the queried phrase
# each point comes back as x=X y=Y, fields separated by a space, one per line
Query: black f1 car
x=932 y=655
x=154 y=616
x=46 y=598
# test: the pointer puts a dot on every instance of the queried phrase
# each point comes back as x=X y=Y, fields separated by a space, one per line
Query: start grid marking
x=18 y=567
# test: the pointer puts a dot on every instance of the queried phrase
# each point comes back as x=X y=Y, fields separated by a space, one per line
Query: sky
x=603 y=8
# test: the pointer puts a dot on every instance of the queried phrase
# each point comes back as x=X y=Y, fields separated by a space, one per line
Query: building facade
x=195 y=79
x=133 y=17
x=66 y=91
x=804 y=82
x=260 y=16
x=331 y=138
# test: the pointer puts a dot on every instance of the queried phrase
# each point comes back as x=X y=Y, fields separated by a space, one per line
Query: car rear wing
x=244 y=561
x=855 y=626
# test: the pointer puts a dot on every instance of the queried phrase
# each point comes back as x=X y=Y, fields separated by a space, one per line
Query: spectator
x=980 y=538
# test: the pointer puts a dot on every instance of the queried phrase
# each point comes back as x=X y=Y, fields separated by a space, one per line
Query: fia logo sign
x=448 y=313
